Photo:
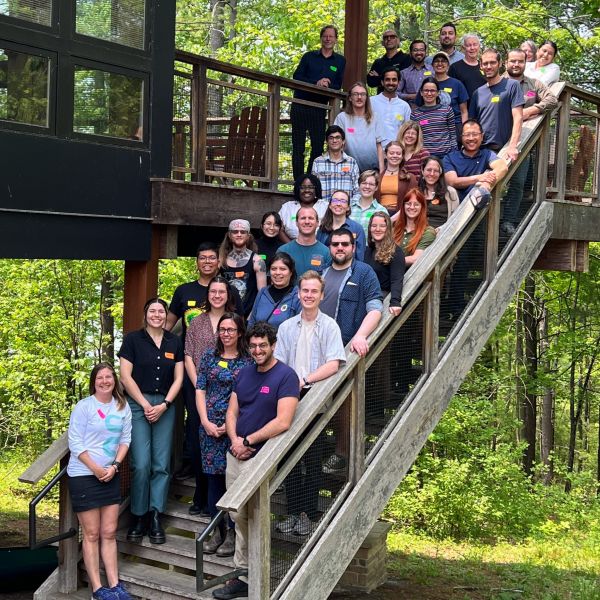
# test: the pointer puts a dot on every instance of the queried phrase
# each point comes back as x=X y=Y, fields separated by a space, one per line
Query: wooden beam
x=141 y=283
x=198 y=204
x=46 y=460
x=576 y=221
x=259 y=543
x=564 y=255
x=355 y=41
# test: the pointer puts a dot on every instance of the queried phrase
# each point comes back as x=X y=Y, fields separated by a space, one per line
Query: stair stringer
x=332 y=553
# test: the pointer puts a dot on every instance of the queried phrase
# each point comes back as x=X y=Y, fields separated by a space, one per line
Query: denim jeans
x=150 y=455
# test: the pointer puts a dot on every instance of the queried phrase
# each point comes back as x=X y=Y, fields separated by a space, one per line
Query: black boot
x=138 y=529
x=157 y=533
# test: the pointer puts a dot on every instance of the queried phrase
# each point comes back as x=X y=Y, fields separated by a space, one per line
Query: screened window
x=36 y=11
x=118 y=21
x=24 y=87
x=108 y=104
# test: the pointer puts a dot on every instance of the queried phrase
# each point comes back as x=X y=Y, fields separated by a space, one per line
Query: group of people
x=267 y=318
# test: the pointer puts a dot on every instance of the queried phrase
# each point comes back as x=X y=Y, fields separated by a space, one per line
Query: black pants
x=311 y=119
x=192 y=442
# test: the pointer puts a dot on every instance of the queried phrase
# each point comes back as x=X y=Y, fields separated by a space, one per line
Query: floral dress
x=216 y=376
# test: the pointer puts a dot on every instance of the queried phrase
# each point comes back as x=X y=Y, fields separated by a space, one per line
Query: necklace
x=390 y=172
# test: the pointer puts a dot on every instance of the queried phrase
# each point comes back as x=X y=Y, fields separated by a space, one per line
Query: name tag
x=265 y=389
x=293 y=217
x=350 y=130
x=449 y=90
x=333 y=67
x=399 y=118
x=427 y=73
x=346 y=169
x=223 y=364
x=315 y=262
x=191 y=303
x=530 y=94
x=170 y=355
x=101 y=414
x=495 y=99
x=263 y=256
x=277 y=311
x=239 y=274
x=424 y=122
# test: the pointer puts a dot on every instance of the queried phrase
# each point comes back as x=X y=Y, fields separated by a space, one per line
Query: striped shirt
x=340 y=175
x=439 y=131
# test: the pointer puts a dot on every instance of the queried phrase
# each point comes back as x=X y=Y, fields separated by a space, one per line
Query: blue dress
x=216 y=376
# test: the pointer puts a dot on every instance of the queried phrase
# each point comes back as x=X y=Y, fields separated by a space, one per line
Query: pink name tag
x=265 y=389
x=350 y=130
x=424 y=122
x=276 y=312
x=102 y=415
x=530 y=94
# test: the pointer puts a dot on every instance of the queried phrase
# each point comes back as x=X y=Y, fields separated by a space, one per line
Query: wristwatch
x=167 y=403
x=116 y=464
x=246 y=442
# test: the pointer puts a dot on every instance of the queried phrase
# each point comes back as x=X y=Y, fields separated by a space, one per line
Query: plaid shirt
x=341 y=175
x=361 y=215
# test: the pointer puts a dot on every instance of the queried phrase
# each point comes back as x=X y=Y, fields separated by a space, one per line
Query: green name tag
x=263 y=256
x=333 y=68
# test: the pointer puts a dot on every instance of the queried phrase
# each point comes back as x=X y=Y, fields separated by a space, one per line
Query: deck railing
x=232 y=125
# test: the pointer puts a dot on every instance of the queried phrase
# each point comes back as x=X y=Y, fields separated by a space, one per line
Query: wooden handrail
x=43 y=463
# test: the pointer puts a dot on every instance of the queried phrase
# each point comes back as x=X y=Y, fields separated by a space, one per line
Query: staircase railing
x=338 y=404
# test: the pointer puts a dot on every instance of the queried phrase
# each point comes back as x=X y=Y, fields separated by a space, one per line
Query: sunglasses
x=342 y=244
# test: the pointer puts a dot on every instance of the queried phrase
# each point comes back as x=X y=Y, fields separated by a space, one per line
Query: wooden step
x=178 y=550
x=177 y=515
x=83 y=593
x=185 y=487
x=151 y=582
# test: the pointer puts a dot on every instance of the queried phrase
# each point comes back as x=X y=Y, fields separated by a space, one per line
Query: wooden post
x=141 y=283
x=355 y=41
x=199 y=118
x=273 y=127
x=259 y=544
x=432 y=323
x=492 y=234
x=595 y=177
x=357 y=423
x=543 y=157
x=68 y=550
x=562 y=150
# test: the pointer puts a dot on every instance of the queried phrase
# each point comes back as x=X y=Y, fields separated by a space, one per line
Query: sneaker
x=121 y=591
x=304 y=526
x=507 y=228
x=287 y=525
x=234 y=588
x=103 y=593
x=227 y=548
x=334 y=464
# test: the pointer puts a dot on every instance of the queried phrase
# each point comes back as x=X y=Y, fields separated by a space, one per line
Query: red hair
x=420 y=225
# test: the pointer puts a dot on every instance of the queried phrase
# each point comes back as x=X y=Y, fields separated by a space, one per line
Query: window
x=24 y=87
x=118 y=21
x=108 y=104
x=36 y=11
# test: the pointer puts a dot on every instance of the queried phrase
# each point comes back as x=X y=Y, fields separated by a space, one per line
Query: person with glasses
x=364 y=132
x=186 y=304
x=269 y=241
x=323 y=68
x=218 y=369
x=435 y=119
x=442 y=199
x=277 y=302
x=364 y=204
x=393 y=57
x=412 y=76
x=262 y=406
x=335 y=169
x=307 y=194
x=241 y=264
x=337 y=216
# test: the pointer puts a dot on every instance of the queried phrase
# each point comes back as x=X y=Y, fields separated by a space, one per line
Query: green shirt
x=426 y=240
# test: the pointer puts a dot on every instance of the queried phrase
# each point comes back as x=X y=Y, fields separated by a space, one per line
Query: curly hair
x=387 y=247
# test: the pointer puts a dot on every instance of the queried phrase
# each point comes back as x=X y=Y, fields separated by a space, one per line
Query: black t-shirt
x=400 y=60
x=153 y=368
x=470 y=75
x=267 y=247
x=390 y=276
x=243 y=280
x=188 y=299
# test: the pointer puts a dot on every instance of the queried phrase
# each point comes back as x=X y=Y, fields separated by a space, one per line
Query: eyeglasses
x=429 y=91
x=238 y=231
x=432 y=171
x=412 y=205
x=207 y=258
x=369 y=183
x=227 y=330
x=261 y=346
x=343 y=244
x=335 y=138
x=338 y=201
x=306 y=188
x=359 y=95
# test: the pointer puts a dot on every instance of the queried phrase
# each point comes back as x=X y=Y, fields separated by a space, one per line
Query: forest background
x=511 y=474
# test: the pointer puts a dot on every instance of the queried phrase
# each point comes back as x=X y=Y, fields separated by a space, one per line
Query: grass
x=14 y=504
x=556 y=566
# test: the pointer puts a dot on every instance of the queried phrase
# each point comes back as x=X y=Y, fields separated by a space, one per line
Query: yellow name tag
x=495 y=99
x=223 y=364
x=399 y=118
x=427 y=73
x=448 y=90
x=191 y=303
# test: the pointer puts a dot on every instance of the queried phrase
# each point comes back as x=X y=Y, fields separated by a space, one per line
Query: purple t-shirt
x=258 y=394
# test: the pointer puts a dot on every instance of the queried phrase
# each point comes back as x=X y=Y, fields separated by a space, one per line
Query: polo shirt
x=314 y=66
x=315 y=257
x=466 y=166
x=492 y=106
x=188 y=299
x=258 y=394
x=153 y=368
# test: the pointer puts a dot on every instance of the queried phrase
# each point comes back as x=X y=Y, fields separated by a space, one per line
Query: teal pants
x=150 y=456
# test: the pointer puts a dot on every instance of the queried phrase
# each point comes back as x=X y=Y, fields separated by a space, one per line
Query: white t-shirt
x=548 y=74
x=288 y=211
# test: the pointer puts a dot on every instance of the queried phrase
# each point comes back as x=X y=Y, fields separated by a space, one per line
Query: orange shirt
x=389 y=191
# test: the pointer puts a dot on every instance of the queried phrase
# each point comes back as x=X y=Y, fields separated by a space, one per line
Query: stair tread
x=181 y=510
x=177 y=544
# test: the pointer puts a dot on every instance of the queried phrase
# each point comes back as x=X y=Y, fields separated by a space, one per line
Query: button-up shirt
x=361 y=215
x=411 y=78
x=391 y=112
x=336 y=175
x=536 y=93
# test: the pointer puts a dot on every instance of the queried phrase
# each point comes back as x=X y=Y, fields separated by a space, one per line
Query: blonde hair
x=387 y=248
x=405 y=127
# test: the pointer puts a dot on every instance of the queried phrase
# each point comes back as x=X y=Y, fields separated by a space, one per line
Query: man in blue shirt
x=324 y=68
x=447 y=44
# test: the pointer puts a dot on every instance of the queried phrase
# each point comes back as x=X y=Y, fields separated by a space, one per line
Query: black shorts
x=87 y=492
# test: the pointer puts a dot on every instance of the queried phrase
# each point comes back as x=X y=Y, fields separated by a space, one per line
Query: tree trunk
x=547 y=418
x=573 y=415
x=107 y=321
